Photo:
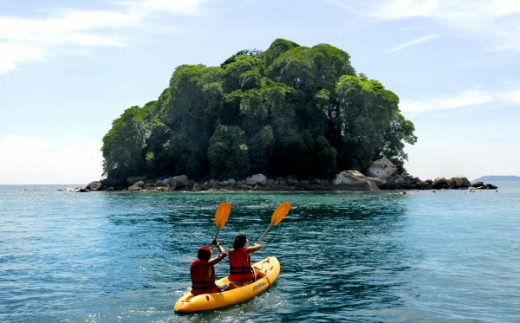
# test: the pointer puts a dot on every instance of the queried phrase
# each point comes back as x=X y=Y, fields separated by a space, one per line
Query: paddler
x=202 y=270
x=241 y=272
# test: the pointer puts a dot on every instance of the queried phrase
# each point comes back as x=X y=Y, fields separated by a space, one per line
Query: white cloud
x=459 y=100
x=23 y=39
x=416 y=41
x=463 y=99
x=181 y=7
x=14 y=53
x=494 y=21
x=512 y=96
x=399 y=9
x=31 y=160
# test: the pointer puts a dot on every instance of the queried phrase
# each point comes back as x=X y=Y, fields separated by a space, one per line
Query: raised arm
x=222 y=254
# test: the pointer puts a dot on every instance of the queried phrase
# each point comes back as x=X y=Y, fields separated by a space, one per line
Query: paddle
x=278 y=215
x=221 y=215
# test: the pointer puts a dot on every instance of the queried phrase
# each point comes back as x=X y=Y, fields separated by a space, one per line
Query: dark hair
x=240 y=240
x=204 y=253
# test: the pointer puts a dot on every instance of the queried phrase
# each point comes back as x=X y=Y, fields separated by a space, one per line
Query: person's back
x=201 y=281
x=202 y=270
x=240 y=270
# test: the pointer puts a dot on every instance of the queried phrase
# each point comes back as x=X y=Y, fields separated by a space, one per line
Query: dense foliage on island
x=287 y=111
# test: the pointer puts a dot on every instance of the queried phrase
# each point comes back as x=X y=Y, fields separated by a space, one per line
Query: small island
x=498 y=178
x=287 y=118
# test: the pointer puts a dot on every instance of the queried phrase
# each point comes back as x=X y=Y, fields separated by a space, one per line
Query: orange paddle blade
x=222 y=214
x=280 y=213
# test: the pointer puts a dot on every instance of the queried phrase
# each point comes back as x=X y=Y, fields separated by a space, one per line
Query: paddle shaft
x=263 y=235
x=216 y=234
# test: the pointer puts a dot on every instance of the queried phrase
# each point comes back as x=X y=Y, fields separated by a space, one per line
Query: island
x=289 y=117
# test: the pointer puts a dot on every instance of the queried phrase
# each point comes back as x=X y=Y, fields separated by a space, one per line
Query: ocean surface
x=424 y=256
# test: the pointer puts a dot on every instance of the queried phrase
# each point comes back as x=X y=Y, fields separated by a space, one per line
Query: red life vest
x=201 y=282
x=240 y=265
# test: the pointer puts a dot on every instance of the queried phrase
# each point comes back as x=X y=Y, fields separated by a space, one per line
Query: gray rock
x=376 y=181
x=421 y=185
x=458 y=182
x=135 y=179
x=257 y=179
x=353 y=180
x=382 y=168
x=181 y=181
x=94 y=186
x=439 y=183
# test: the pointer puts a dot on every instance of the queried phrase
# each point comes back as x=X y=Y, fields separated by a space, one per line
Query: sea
x=386 y=256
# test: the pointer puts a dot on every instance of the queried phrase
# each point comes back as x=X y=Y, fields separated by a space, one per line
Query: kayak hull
x=188 y=303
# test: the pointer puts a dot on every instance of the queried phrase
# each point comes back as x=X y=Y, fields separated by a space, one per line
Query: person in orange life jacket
x=241 y=271
x=202 y=270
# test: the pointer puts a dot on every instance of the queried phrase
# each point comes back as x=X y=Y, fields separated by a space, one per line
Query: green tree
x=261 y=149
x=325 y=157
x=278 y=47
x=232 y=74
x=228 y=153
x=401 y=131
x=123 y=146
x=191 y=112
x=156 y=152
x=371 y=123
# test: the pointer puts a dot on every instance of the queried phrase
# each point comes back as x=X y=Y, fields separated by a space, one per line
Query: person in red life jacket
x=241 y=272
x=202 y=270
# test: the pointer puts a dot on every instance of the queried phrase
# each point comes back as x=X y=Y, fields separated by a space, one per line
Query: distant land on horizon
x=497 y=178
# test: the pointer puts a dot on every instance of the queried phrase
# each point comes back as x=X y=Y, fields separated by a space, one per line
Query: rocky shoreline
x=379 y=176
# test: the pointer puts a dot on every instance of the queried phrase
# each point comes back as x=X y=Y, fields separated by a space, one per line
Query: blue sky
x=69 y=68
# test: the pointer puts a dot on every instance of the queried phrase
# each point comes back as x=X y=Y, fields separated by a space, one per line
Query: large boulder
x=94 y=186
x=353 y=180
x=135 y=179
x=421 y=185
x=163 y=182
x=173 y=184
x=477 y=184
x=458 y=182
x=382 y=168
x=440 y=183
x=257 y=179
x=180 y=181
x=139 y=184
x=404 y=182
x=376 y=181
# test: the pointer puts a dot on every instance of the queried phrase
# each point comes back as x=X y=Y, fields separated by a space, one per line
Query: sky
x=68 y=69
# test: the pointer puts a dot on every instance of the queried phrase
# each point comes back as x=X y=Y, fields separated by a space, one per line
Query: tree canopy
x=288 y=110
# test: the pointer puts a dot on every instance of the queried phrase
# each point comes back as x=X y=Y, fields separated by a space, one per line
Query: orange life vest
x=201 y=282
x=240 y=265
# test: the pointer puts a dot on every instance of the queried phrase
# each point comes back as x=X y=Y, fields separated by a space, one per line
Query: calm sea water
x=443 y=256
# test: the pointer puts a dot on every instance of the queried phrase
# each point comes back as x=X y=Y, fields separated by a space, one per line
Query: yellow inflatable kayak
x=189 y=303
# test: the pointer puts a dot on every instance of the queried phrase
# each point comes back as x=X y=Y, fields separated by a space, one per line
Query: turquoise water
x=443 y=256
